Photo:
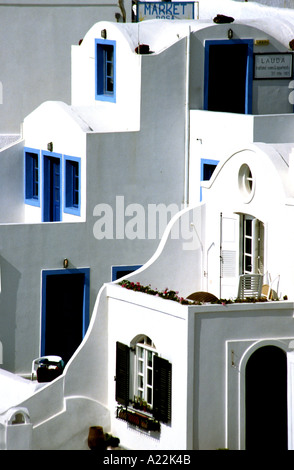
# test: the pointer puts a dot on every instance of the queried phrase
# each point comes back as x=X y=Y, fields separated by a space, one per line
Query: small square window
x=206 y=170
x=122 y=271
x=32 y=177
x=72 y=186
x=105 y=64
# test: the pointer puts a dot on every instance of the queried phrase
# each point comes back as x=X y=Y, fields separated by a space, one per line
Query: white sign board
x=165 y=10
x=273 y=66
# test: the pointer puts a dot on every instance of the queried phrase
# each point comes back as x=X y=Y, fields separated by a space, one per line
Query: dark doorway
x=266 y=400
x=227 y=78
x=63 y=316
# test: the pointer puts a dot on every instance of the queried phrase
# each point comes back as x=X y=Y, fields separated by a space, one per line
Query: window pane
x=140 y=352
x=248 y=263
x=140 y=367
x=149 y=362
x=208 y=169
x=248 y=227
x=109 y=53
x=140 y=381
x=109 y=85
x=109 y=66
x=248 y=245
x=149 y=377
x=149 y=396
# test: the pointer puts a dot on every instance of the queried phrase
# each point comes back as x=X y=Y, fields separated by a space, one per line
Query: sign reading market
x=165 y=10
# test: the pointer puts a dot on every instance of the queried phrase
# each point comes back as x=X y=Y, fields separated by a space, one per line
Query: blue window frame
x=72 y=194
x=32 y=176
x=206 y=169
x=105 y=68
x=121 y=271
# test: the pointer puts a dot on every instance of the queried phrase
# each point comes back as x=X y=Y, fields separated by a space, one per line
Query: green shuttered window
x=161 y=382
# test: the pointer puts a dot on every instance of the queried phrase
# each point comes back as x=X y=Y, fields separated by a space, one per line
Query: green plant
x=164 y=294
x=173 y=295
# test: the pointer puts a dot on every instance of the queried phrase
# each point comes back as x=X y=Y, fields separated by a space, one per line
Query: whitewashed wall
x=103 y=116
x=36 y=38
x=128 y=317
x=54 y=122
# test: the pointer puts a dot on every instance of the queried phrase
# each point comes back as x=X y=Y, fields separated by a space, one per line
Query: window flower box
x=138 y=419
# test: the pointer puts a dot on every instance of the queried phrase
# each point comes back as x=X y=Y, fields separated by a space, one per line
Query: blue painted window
x=122 y=271
x=72 y=185
x=207 y=168
x=32 y=176
x=105 y=66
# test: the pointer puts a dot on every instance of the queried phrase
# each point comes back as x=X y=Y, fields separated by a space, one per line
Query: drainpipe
x=187 y=123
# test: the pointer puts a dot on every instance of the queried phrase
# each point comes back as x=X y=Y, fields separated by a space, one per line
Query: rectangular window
x=206 y=170
x=72 y=186
x=122 y=271
x=32 y=177
x=105 y=65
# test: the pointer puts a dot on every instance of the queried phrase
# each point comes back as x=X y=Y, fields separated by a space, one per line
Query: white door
x=229 y=259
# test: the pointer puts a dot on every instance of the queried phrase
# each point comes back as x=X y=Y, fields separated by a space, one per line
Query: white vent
x=228 y=263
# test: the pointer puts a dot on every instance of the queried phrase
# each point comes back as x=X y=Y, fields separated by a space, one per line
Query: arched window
x=143 y=370
x=143 y=378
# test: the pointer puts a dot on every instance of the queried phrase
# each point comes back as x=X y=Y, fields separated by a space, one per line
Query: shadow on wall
x=9 y=283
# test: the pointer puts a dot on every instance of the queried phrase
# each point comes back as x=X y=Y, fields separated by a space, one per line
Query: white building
x=85 y=184
x=36 y=37
x=236 y=358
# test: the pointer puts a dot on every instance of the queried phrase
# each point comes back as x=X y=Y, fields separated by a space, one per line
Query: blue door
x=52 y=192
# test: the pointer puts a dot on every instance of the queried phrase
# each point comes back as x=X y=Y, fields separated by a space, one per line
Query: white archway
x=281 y=344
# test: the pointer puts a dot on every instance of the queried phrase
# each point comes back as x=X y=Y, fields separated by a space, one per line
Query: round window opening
x=246 y=183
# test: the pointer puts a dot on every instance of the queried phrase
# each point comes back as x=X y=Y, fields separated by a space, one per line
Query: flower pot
x=96 y=438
